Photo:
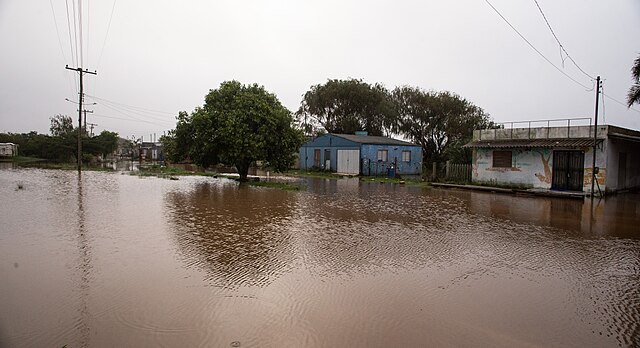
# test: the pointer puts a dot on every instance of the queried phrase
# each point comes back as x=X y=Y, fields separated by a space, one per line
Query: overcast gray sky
x=166 y=55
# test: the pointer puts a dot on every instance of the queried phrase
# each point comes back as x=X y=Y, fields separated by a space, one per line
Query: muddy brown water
x=123 y=261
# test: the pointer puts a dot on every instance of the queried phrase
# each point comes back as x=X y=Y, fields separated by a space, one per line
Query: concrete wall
x=616 y=146
x=529 y=168
x=533 y=167
x=371 y=166
x=539 y=133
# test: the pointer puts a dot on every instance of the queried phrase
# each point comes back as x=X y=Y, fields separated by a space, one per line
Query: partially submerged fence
x=450 y=172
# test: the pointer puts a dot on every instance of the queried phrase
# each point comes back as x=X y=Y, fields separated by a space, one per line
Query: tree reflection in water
x=237 y=235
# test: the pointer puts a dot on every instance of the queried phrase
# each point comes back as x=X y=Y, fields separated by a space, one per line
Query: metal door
x=568 y=170
x=316 y=158
x=349 y=162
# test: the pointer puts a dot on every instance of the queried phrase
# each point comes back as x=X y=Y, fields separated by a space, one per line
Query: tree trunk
x=243 y=171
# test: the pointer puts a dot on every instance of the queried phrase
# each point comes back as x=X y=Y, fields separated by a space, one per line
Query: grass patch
x=313 y=174
x=26 y=159
x=385 y=180
x=274 y=184
x=165 y=172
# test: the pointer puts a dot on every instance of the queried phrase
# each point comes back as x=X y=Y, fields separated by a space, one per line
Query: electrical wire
x=80 y=32
x=130 y=106
x=75 y=31
x=128 y=119
x=70 y=40
x=106 y=35
x=64 y=56
x=535 y=49
x=55 y=22
x=126 y=113
x=562 y=49
x=621 y=103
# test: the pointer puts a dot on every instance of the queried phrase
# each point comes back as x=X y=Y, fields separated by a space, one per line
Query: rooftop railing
x=539 y=129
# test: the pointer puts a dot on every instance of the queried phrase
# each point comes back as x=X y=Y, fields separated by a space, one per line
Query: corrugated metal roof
x=526 y=143
x=372 y=139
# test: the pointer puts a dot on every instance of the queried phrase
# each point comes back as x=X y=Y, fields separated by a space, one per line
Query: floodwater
x=125 y=261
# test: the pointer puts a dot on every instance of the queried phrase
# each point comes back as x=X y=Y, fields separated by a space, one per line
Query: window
x=382 y=155
x=502 y=159
x=406 y=156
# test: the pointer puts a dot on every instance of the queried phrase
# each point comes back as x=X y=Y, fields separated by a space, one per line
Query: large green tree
x=633 y=97
x=346 y=106
x=440 y=122
x=61 y=125
x=237 y=125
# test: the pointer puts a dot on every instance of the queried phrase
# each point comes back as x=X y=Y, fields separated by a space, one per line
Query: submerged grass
x=275 y=184
x=385 y=180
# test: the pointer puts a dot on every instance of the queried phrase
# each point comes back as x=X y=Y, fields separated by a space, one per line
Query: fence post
x=447 y=169
x=434 y=168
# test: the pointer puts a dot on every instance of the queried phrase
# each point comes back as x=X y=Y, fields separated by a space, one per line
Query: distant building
x=8 y=150
x=361 y=154
x=557 y=158
x=151 y=151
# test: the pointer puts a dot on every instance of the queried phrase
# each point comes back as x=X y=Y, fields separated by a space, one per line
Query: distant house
x=557 y=158
x=151 y=151
x=361 y=154
x=8 y=150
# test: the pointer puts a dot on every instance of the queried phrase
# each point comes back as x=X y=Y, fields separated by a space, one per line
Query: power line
x=619 y=102
x=80 y=31
x=535 y=49
x=560 y=43
x=55 y=22
x=128 y=119
x=126 y=113
x=75 y=32
x=70 y=40
x=130 y=106
x=53 y=13
x=107 y=34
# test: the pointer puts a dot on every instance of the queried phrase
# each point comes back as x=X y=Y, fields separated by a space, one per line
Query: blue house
x=361 y=154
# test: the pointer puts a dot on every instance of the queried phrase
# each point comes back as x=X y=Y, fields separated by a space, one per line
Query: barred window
x=502 y=159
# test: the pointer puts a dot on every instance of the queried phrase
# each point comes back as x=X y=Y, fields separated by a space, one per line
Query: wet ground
x=119 y=260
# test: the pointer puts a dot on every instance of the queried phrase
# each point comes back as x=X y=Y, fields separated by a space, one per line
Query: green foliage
x=104 y=143
x=633 y=97
x=237 y=125
x=61 y=147
x=61 y=125
x=440 y=122
x=347 y=106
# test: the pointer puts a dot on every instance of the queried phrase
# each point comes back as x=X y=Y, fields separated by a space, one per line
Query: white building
x=557 y=158
x=8 y=150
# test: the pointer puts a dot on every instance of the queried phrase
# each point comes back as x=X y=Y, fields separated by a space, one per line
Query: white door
x=349 y=162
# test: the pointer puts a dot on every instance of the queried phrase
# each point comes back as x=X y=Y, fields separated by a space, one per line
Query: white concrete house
x=557 y=158
x=8 y=150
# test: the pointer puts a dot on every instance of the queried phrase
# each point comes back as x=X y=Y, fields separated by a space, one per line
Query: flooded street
x=126 y=261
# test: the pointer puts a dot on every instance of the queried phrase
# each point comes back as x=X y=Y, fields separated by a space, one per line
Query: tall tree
x=346 y=106
x=440 y=122
x=61 y=125
x=238 y=124
x=633 y=96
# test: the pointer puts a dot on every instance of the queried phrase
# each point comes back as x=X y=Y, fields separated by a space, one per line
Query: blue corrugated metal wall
x=369 y=164
x=326 y=142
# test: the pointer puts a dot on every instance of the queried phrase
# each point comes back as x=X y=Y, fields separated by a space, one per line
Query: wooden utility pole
x=85 y=118
x=80 y=100
x=91 y=125
x=595 y=139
